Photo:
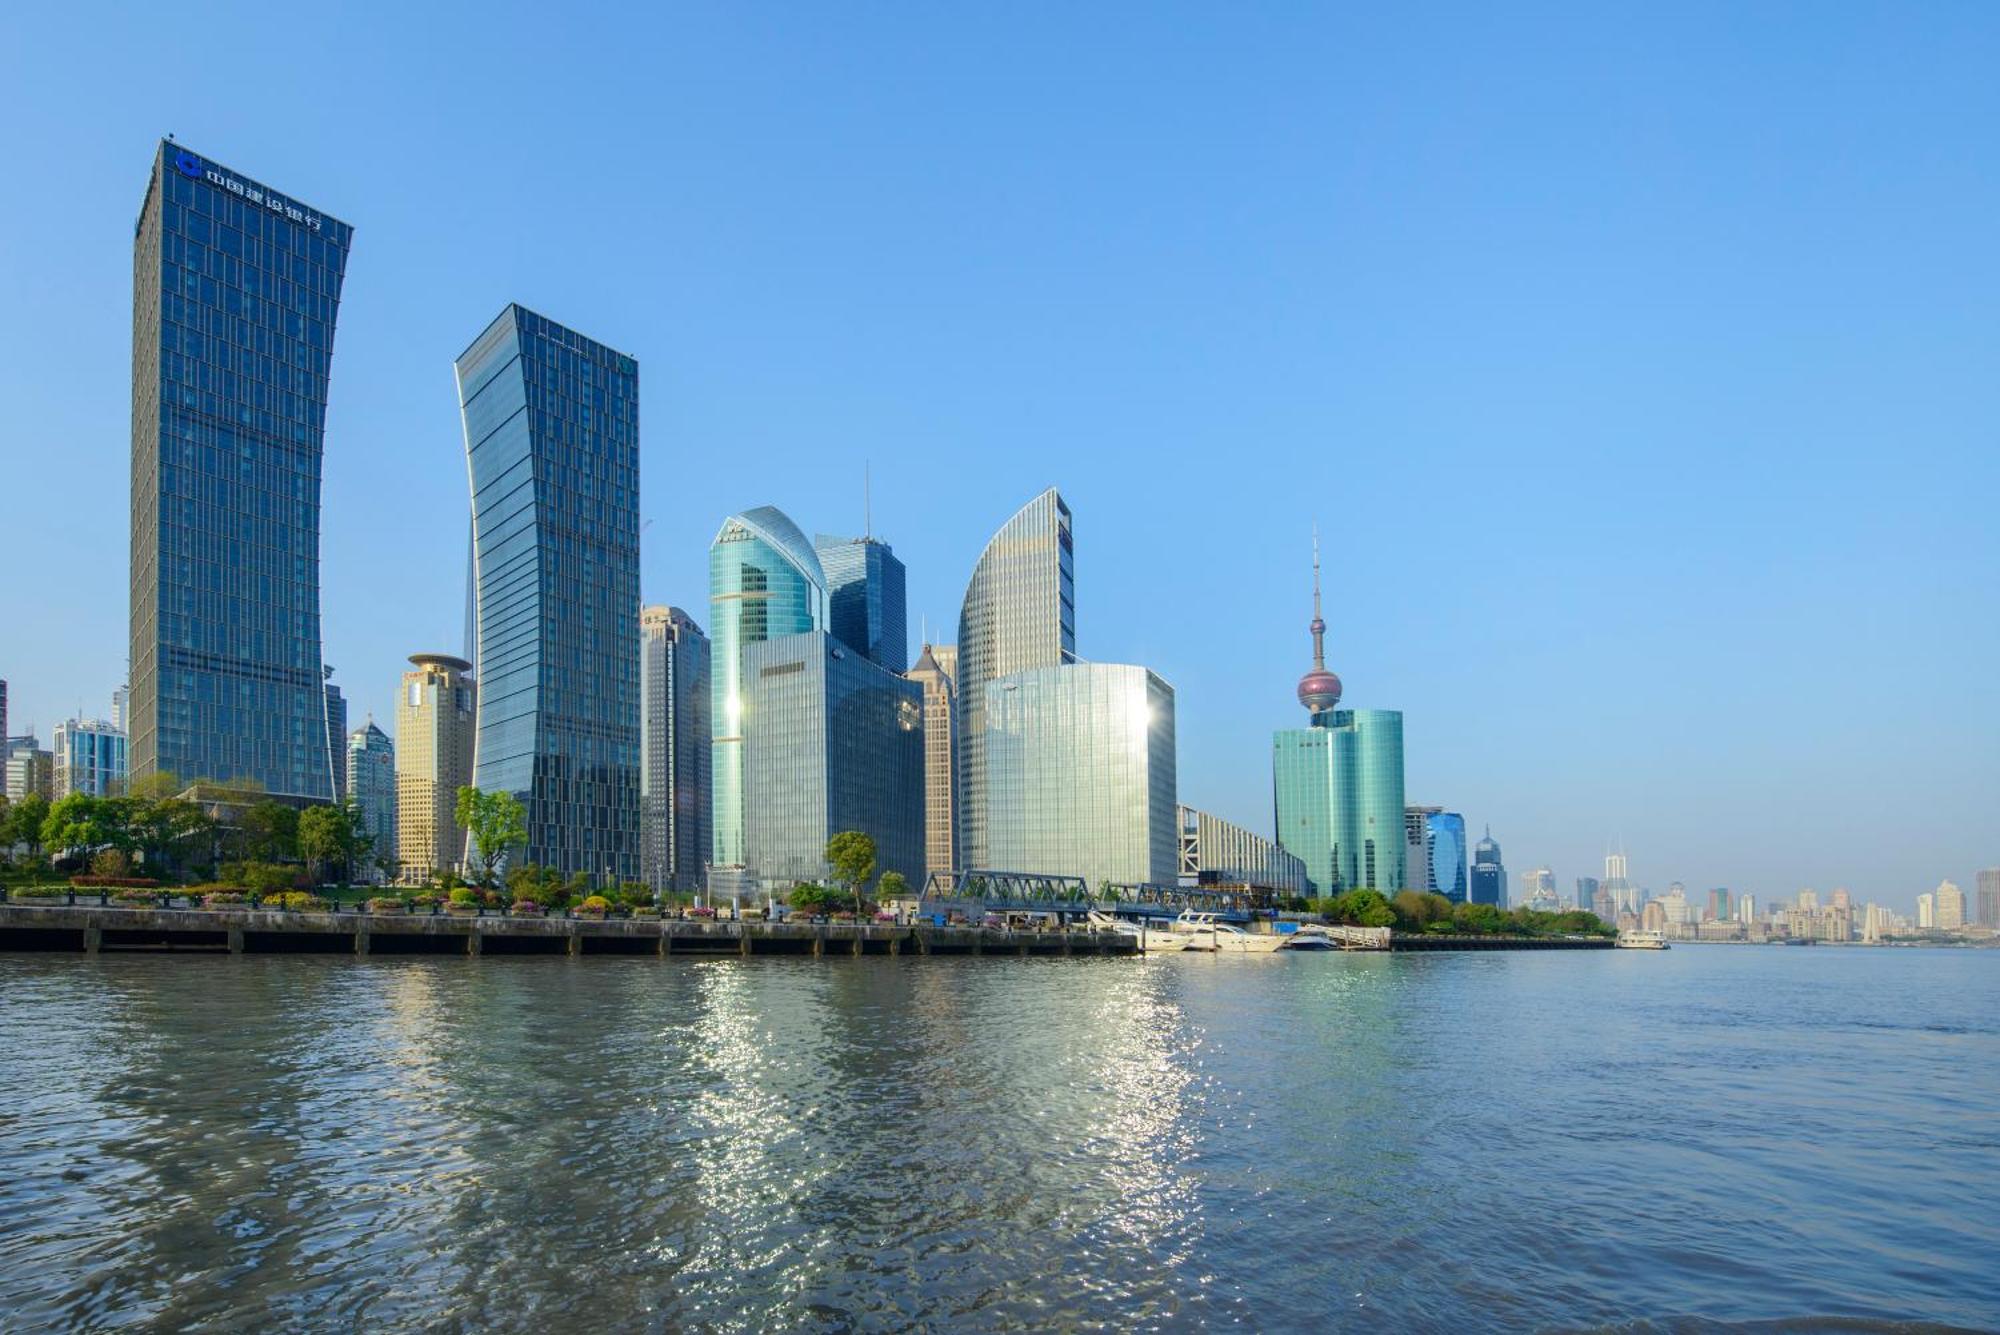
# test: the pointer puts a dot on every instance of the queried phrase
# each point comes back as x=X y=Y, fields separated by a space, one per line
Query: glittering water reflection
x=1268 y=1142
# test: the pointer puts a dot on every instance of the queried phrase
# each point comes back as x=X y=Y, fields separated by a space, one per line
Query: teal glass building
x=552 y=449
x=235 y=288
x=764 y=582
x=1337 y=784
x=831 y=742
x=1080 y=774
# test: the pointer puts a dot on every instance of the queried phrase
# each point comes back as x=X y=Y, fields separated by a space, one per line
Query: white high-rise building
x=1926 y=912
x=1950 y=907
x=1808 y=900
x=89 y=758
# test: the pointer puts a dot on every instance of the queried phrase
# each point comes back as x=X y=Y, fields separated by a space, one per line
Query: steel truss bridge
x=1036 y=892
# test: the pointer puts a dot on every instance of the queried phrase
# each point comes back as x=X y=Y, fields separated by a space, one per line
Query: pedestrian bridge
x=1035 y=892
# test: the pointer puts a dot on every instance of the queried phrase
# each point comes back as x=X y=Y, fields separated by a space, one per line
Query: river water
x=1486 y=1141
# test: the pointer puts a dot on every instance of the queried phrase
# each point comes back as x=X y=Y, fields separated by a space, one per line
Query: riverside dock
x=99 y=930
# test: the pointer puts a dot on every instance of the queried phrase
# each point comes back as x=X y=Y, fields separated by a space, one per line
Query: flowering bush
x=647 y=912
x=380 y=905
x=701 y=911
x=223 y=899
x=297 y=901
x=463 y=895
x=842 y=915
x=527 y=908
x=594 y=904
x=114 y=882
x=885 y=916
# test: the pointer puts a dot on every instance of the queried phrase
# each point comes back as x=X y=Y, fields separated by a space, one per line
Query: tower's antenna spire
x=1318 y=621
x=867 y=506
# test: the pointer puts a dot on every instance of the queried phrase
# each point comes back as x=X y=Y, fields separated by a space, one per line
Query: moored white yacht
x=1641 y=940
x=1205 y=931
x=1152 y=940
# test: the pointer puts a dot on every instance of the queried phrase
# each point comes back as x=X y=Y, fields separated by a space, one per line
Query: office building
x=88 y=757
x=31 y=771
x=370 y=763
x=1950 y=906
x=121 y=709
x=676 y=744
x=940 y=757
x=1338 y=782
x=864 y=599
x=1808 y=901
x=1214 y=851
x=1019 y=613
x=336 y=737
x=552 y=447
x=831 y=742
x=1538 y=890
x=235 y=289
x=3 y=720
x=1489 y=874
x=1988 y=904
x=764 y=583
x=1746 y=908
x=1079 y=774
x=1618 y=885
x=1926 y=911
x=1444 y=853
x=1718 y=905
x=1586 y=892
x=436 y=718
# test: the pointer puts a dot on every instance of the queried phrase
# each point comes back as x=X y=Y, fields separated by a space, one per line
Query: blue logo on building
x=188 y=163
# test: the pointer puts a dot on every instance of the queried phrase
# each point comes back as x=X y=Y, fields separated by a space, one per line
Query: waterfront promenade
x=94 y=929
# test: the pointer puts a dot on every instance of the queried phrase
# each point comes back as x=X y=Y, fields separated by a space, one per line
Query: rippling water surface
x=1518 y=1141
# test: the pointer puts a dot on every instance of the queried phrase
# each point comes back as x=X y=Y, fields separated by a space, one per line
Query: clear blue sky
x=1639 y=367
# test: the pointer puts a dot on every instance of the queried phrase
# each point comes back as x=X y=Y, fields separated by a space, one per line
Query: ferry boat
x=1638 y=940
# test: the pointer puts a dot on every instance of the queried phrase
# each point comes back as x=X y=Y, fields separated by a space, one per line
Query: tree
x=81 y=823
x=271 y=832
x=24 y=821
x=496 y=821
x=851 y=854
x=325 y=835
x=892 y=886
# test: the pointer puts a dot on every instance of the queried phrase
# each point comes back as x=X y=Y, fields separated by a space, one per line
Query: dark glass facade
x=1489 y=874
x=1444 y=845
x=864 y=596
x=235 y=288
x=552 y=442
x=675 y=748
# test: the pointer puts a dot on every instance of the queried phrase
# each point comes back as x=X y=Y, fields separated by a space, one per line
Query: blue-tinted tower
x=1489 y=874
x=864 y=596
x=552 y=448
x=235 y=287
x=1444 y=845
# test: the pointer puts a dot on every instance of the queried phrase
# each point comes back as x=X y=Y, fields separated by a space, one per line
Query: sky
x=1638 y=367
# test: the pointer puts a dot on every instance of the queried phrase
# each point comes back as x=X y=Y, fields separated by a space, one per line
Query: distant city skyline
x=1503 y=292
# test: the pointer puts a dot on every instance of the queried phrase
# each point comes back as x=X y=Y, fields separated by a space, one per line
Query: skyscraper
x=1926 y=911
x=676 y=748
x=1950 y=906
x=1538 y=889
x=435 y=716
x=1338 y=783
x=1988 y=889
x=552 y=447
x=764 y=582
x=234 y=292
x=1019 y=613
x=3 y=718
x=89 y=758
x=370 y=762
x=1586 y=893
x=1444 y=845
x=1618 y=884
x=31 y=770
x=940 y=778
x=336 y=737
x=1719 y=905
x=831 y=742
x=1489 y=874
x=1079 y=774
x=864 y=598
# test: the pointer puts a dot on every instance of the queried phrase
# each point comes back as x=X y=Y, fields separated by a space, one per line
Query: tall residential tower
x=675 y=748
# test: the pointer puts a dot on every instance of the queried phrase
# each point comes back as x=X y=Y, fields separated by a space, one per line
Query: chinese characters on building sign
x=191 y=166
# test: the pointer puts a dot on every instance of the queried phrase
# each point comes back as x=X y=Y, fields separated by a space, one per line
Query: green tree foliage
x=1358 y=908
x=24 y=822
x=270 y=832
x=496 y=821
x=332 y=836
x=893 y=885
x=851 y=854
x=808 y=897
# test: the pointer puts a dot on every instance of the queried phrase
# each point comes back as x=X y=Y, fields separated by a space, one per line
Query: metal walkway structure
x=1036 y=892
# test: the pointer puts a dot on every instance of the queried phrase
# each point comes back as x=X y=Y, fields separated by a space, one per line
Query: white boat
x=1208 y=932
x=1310 y=936
x=1152 y=940
x=1637 y=940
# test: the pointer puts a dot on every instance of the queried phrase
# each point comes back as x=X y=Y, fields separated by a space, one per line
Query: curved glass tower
x=1019 y=613
x=552 y=451
x=764 y=581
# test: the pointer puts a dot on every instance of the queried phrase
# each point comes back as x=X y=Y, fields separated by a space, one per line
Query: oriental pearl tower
x=1319 y=689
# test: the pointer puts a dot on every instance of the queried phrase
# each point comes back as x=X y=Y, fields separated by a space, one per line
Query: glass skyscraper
x=235 y=287
x=552 y=444
x=1079 y=774
x=764 y=581
x=1019 y=613
x=90 y=757
x=832 y=742
x=1444 y=851
x=864 y=599
x=370 y=761
x=676 y=745
x=933 y=672
x=1489 y=874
